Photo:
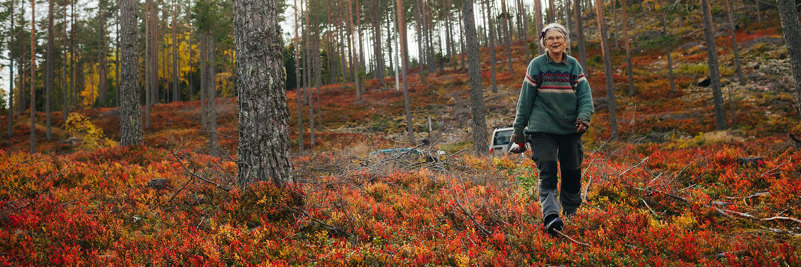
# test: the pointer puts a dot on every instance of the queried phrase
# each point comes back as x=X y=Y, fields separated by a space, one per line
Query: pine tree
x=792 y=39
x=474 y=70
x=263 y=153
x=610 y=85
x=404 y=48
x=33 y=76
x=130 y=116
x=714 y=73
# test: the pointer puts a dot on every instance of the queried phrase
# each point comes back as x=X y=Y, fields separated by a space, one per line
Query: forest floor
x=670 y=191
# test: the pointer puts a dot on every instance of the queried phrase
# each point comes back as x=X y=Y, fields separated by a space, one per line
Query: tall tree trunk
x=33 y=76
x=462 y=44
x=174 y=31
x=551 y=11
x=429 y=33
x=507 y=35
x=444 y=15
x=580 y=36
x=667 y=47
x=538 y=18
x=353 y=65
x=610 y=85
x=714 y=73
x=734 y=43
x=49 y=68
x=567 y=20
x=11 y=72
x=65 y=87
x=524 y=17
x=263 y=152
x=318 y=73
x=212 y=94
x=494 y=81
x=474 y=74
x=361 y=40
x=309 y=73
x=148 y=65
x=102 y=69
x=342 y=60
x=204 y=65
x=418 y=17
x=74 y=75
x=377 y=44
x=404 y=48
x=389 y=44
x=759 y=12
x=298 y=89
x=792 y=37
x=627 y=43
x=117 y=62
x=130 y=116
x=613 y=6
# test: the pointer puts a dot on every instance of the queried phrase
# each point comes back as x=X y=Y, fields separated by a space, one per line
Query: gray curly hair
x=553 y=26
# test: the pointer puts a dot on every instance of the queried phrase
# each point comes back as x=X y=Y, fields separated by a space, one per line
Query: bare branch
x=571 y=239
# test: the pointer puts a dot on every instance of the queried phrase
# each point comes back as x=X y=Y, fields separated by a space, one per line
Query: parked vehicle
x=500 y=142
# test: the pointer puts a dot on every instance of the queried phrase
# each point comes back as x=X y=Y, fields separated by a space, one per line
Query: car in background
x=501 y=141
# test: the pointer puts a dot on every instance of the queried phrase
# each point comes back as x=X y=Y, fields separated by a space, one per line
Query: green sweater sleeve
x=584 y=95
x=524 y=104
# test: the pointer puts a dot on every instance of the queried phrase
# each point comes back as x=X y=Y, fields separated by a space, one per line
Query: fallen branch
x=632 y=167
x=571 y=239
x=587 y=189
x=782 y=218
x=470 y=216
x=194 y=174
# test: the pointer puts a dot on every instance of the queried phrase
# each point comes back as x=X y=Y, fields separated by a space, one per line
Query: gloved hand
x=520 y=141
x=582 y=126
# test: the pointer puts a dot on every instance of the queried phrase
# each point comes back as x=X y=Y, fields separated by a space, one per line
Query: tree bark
x=298 y=89
x=474 y=74
x=263 y=153
x=353 y=65
x=405 y=63
x=49 y=68
x=567 y=20
x=714 y=73
x=538 y=18
x=507 y=35
x=117 y=62
x=580 y=36
x=493 y=81
x=792 y=37
x=667 y=47
x=610 y=85
x=174 y=31
x=148 y=65
x=212 y=95
x=130 y=115
x=11 y=72
x=377 y=44
x=524 y=17
x=33 y=76
x=101 y=55
x=551 y=11
x=204 y=65
x=627 y=43
x=734 y=43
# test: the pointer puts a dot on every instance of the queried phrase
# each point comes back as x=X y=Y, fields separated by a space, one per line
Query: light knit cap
x=555 y=27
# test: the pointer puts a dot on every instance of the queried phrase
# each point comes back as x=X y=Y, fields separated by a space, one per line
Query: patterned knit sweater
x=554 y=97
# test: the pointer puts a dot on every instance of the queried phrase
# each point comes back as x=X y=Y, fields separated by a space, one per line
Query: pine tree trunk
x=353 y=57
x=212 y=94
x=148 y=65
x=33 y=76
x=580 y=36
x=204 y=63
x=377 y=44
x=130 y=116
x=474 y=74
x=538 y=18
x=405 y=63
x=667 y=47
x=462 y=45
x=613 y=6
x=714 y=73
x=734 y=43
x=792 y=37
x=263 y=153
x=175 y=92
x=318 y=74
x=11 y=72
x=101 y=55
x=627 y=43
x=551 y=11
x=74 y=75
x=610 y=85
x=567 y=21
x=494 y=81
x=298 y=89
x=49 y=68
x=507 y=36
x=524 y=17
x=418 y=17
x=309 y=73
x=117 y=63
x=65 y=63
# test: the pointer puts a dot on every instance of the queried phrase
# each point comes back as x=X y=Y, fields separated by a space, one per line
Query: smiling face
x=555 y=42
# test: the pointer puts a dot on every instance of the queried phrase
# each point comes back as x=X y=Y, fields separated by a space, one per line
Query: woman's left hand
x=581 y=128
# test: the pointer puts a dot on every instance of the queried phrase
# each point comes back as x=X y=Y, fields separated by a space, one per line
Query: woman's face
x=555 y=42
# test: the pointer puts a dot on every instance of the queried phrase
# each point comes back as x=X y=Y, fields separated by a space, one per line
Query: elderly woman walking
x=554 y=108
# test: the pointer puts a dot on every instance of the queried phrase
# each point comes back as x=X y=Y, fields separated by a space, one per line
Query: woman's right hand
x=520 y=141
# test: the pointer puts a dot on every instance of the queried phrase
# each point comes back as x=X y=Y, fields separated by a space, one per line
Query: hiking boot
x=552 y=224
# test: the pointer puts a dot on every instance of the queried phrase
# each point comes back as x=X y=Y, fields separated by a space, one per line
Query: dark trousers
x=547 y=149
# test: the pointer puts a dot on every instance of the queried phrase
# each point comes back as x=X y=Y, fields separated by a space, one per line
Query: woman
x=555 y=107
